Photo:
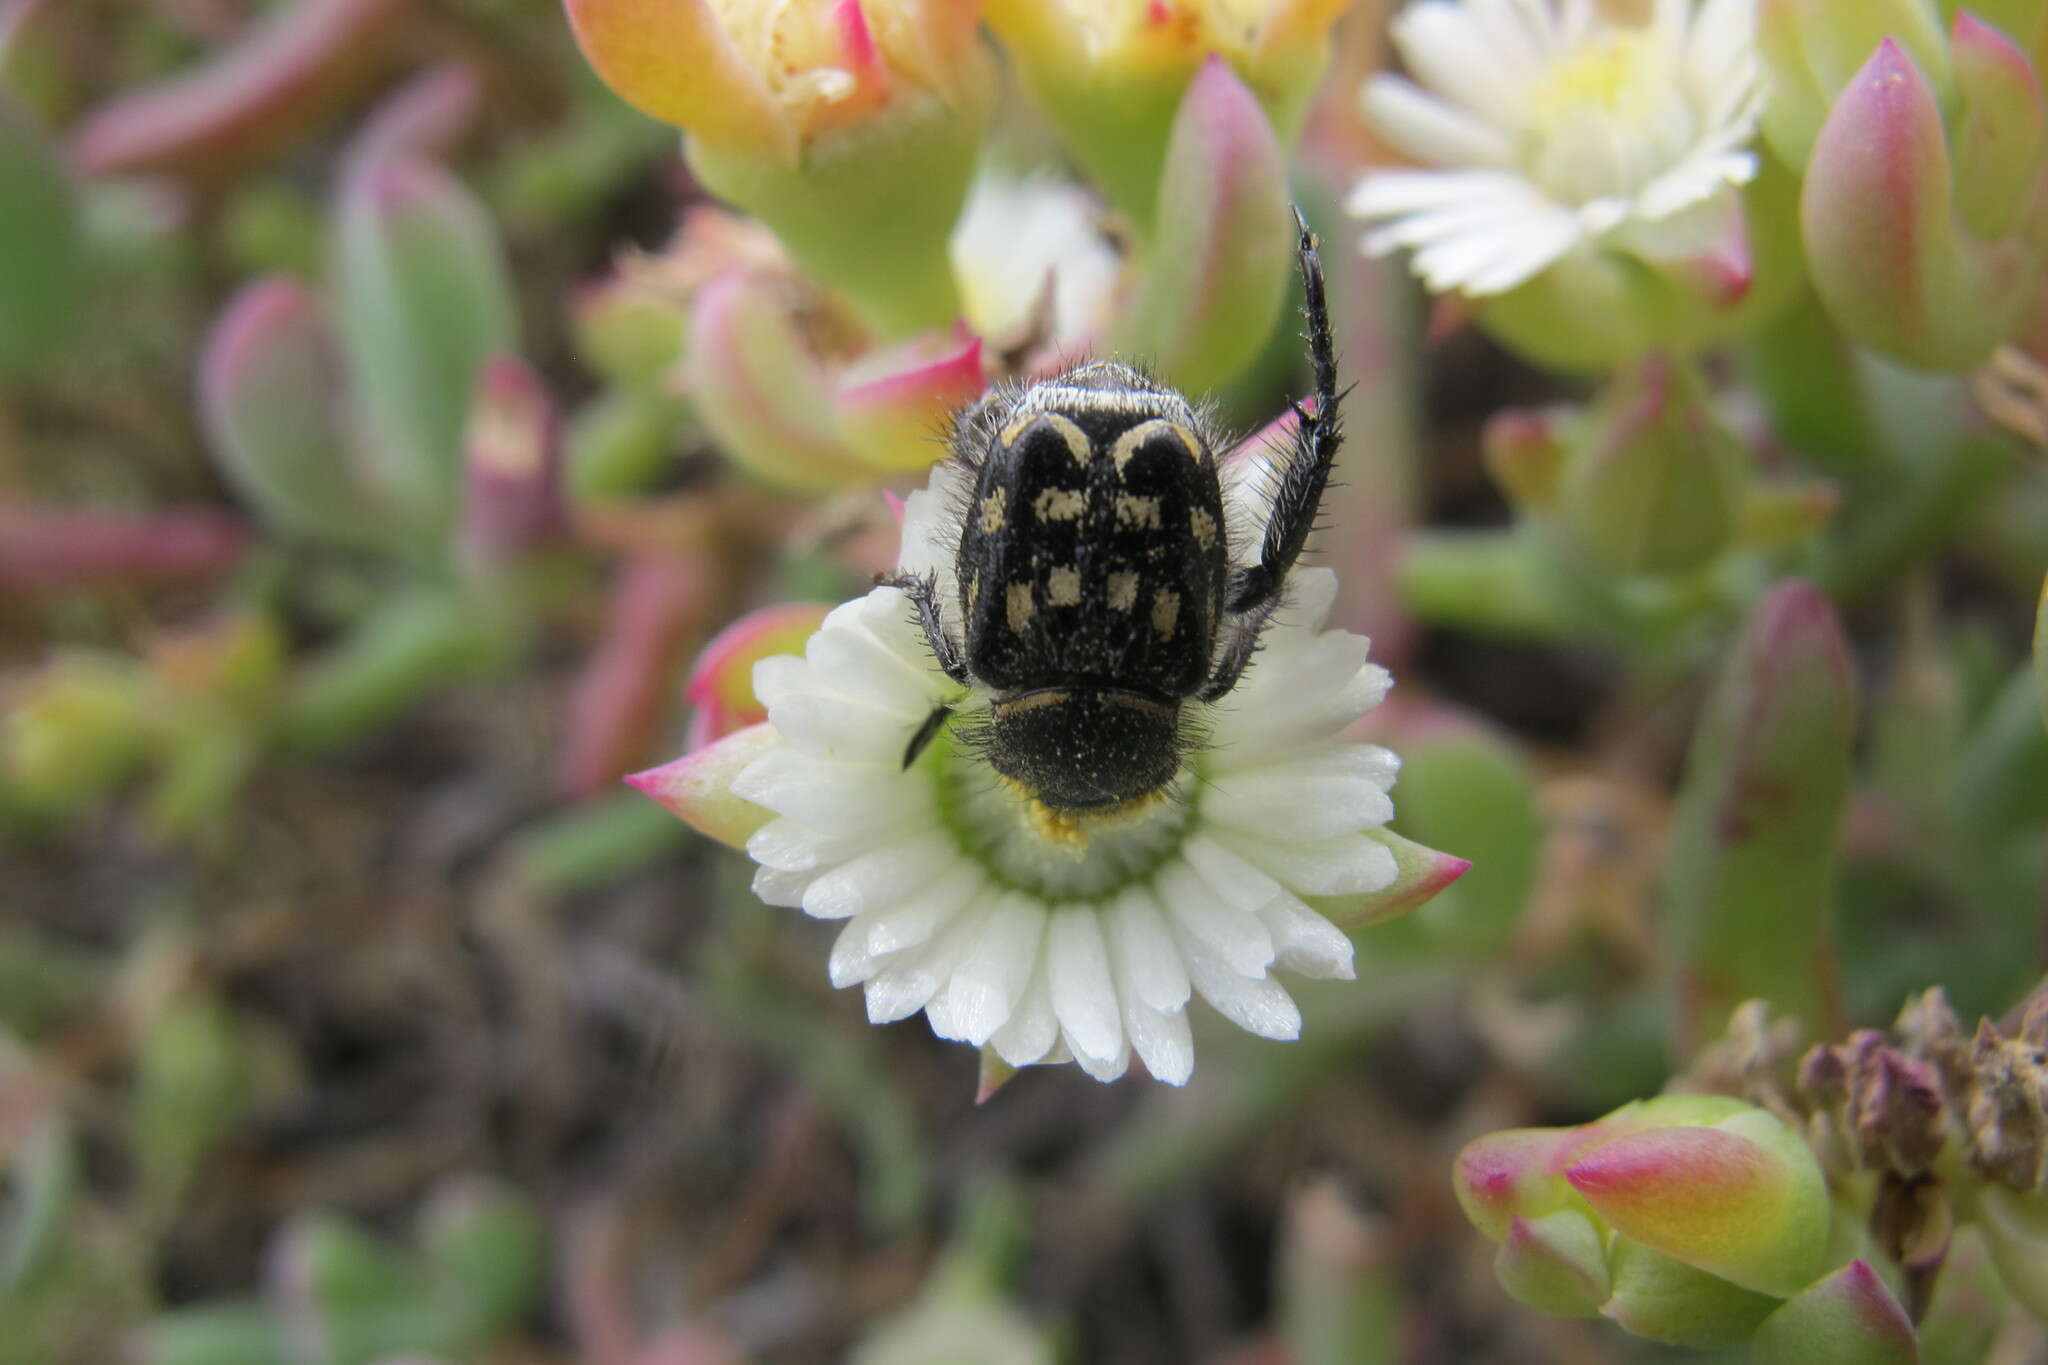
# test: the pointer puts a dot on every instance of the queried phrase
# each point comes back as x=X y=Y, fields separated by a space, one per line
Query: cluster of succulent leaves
x=1858 y=813
x=1819 y=801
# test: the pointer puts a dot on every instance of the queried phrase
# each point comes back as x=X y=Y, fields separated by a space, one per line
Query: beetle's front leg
x=924 y=595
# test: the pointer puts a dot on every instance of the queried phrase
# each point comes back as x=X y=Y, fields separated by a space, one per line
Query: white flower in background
x=954 y=905
x=1548 y=125
x=1022 y=234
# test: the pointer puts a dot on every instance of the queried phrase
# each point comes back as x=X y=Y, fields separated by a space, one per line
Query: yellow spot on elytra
x=993 y=508
x=1127 y=444
x=1204 y=527
x=1165 y=610
x=974 y=590
x=1058 y=504
x=1018 y=606
x=1063 y=586
x=1139 y=513
x=1076 y=439
x=1123 y=590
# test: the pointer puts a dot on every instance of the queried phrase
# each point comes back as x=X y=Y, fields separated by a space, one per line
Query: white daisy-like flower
x=958 y=904
x=1547 y=126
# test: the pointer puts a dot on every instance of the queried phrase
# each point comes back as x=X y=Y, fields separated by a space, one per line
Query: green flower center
x=994 y=826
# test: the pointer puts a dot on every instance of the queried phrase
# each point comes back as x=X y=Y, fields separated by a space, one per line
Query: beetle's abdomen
x=1093 y=552
x=1085 y=748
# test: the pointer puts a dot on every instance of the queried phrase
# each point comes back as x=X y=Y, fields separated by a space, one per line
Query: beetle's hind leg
x=1307 y=469
x=1240 y=642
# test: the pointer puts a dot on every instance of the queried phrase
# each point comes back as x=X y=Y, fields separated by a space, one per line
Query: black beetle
x=1096 y=580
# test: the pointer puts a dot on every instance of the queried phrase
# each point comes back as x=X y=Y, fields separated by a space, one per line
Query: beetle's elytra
x=1097 y=593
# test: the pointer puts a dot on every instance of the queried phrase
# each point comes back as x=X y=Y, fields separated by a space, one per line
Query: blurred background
x=351 y=1009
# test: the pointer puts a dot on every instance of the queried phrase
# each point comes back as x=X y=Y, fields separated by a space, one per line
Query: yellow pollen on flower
x=1609 y=74
x=1070 y=831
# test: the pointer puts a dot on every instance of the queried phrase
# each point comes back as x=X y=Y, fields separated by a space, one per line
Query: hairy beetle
x=1097 y=589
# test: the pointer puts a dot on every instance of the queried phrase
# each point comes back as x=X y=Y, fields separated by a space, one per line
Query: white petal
x=822 y=793
x=881 y=877
x=1083 y=994
x=1667 y=20
x=1430 y=130
x=927 y=514
x=1104 y=1069
x=1545 y=242
x=852 y=961
x=1315 y=665
x=1451 y=54
x=1722 y=40
x=777 y=887
x=779 y=676
x=1160 y=1036
x=918 y=547
x=1480 y=231
x=828 y=725
x=1693 y=182
x=1734 y=105
x=1311 y=594
x=1146 y=948
x=788 y=846
x=1491 y=256
x=1714 y=226
x=990 y=980
x=1258 y=1006
x=1162 y=1041
x=904 y=987
x=1392 y=194
x=1197 y=913
x=890 y=622
x=1299 y=692
x=862 y=666
x=1345 y=865
x=1575 y=20
x=1230 y=876
x=824 y=723
x=1523 y=32
x=1032 y=1027
x=1340 y=792
x=893 y=928
x=1303 y=941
